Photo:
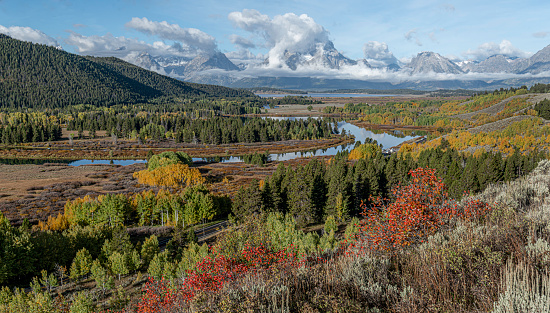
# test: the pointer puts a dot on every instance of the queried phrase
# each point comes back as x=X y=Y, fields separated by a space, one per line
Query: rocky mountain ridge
x=218 y=69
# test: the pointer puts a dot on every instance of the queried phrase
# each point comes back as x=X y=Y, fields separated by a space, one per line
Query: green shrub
x=167 y=158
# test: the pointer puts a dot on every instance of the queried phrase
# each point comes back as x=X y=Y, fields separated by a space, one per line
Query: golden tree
x=172 y=175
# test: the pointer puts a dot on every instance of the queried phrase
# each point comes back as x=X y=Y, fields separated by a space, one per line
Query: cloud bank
x=283 y=33
x=241 y=42
x=124 y=48
x=29 y=34
x=192 y=37
x=488 y=49
x=378 y=54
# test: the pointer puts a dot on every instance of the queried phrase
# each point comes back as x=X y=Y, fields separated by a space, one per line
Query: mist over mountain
x=324 y=55
x=322 y=63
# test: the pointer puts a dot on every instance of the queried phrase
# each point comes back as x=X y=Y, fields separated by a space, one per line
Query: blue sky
x=458 y=29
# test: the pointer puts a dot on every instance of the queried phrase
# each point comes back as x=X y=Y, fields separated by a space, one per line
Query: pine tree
x=278 y=189
x=102 y=278
x=247 y=201
x=133 y=261
x=118 y=264
x=119 y=242
x=339 y=187
x=361 y=186
x=149 y=249
x=48 y=281
x=300 y=200
x=511 y=167
x=82 y=303
x=81 y=264
x=156 y=267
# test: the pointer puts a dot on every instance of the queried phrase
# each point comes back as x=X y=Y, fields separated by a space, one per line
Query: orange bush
x=418 y=211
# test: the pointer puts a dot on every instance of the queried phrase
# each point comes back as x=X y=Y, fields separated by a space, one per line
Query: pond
x=112 y=162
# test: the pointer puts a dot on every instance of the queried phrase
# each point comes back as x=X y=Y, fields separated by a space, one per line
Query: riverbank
x=130 y=149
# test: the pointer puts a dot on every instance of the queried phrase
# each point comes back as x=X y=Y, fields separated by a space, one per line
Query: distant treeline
x=316 y=190
x=536 y=88
x=274 y=90
x=303 y=100
x=540 y=88
x=22 y=127
x=38 y=127
x=215 y=130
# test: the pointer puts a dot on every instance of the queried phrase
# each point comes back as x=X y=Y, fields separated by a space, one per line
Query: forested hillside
x=40 y=76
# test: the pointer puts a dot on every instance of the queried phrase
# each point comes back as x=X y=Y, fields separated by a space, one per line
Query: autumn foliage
x=58 y=223
x=363 y=151
x=210 y=275
x=172 y=175
x=419 y=210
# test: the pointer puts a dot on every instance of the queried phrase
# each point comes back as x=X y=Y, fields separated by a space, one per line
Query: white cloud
x=105 y=45
x=241 y=42
x=378 y=54
x=488 y=49
x=191 y=37
x=29 y=34
x=244 y=56
x=283 y=33
x=109 y=45
x=412 y=35
x=541 y=34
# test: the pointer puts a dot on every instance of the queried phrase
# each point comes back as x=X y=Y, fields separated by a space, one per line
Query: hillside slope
x=492 y=110
x=33 y=75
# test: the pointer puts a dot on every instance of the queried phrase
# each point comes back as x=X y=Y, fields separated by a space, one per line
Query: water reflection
x=385 y=139
x=111 y=162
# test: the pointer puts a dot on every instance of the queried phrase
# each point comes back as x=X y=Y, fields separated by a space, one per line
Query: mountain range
x=294 y=70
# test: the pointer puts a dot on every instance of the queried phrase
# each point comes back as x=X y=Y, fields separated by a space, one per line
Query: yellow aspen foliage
x=407 y=121
x=406 y=148
x=478 y=153
x=172 y=175
x=439 y=123
x=362 y=151
x=531 y=112
x=58 y=223
x=71 y=207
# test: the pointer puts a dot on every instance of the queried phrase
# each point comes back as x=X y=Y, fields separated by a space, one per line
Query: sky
x=459 y=30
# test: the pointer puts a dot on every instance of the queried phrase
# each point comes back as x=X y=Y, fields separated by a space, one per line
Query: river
x=386 y=139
